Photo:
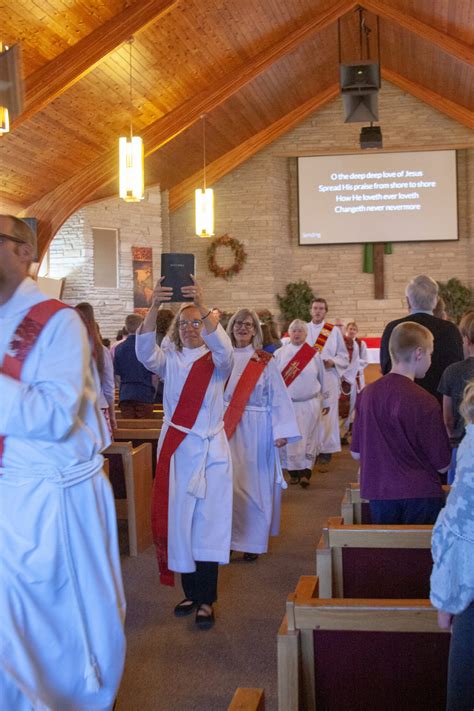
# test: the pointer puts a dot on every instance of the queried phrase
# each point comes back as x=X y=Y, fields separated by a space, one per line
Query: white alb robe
x=200 y=493
x=61 y=599
x=334 y=349
x=268 y=416
x=308 y=394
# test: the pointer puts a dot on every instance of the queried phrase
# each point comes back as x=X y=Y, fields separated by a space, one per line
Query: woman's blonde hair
x=467 y=406
x=173 y=331
x=257 y=340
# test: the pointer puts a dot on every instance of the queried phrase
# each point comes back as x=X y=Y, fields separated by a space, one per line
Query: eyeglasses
x=4 y=238
x=244 y=324
x=195 y=323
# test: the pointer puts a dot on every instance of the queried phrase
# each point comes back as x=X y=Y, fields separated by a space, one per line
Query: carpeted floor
x=173 y=666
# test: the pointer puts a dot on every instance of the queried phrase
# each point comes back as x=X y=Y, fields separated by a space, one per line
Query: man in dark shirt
x=422 y=295
x=136 y=393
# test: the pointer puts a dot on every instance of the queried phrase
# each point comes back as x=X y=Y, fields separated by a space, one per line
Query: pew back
x=382 y=655
x=131 y=479
x=374 y=561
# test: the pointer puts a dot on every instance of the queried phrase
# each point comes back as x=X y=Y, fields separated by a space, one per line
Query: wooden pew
x=364 y=655
x=131 y=479
x=142 y=424
x=355 y=510
x=247 y=700
x=373 y=561
x=138 y=436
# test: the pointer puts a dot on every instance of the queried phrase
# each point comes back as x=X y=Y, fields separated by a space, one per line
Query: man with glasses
x=192 y=496
x=61 y=642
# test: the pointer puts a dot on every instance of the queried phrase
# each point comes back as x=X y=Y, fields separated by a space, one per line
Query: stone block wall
x=71 y=254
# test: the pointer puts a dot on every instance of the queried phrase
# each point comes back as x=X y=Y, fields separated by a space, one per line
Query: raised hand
x=161 y=293
x=194 y=291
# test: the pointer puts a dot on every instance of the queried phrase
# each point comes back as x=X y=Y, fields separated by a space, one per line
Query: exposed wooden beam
x=65 y=70
x=180 y=194
x=445 y=106
x=54 y=208
x=456 y=48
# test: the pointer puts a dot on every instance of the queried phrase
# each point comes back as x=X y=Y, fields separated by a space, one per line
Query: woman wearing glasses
x=192 y=495
x=259 y=417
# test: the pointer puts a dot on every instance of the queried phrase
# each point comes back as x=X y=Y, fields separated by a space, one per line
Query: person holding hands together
x=192 y=495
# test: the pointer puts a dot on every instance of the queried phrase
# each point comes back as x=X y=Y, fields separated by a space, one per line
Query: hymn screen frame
x=105 y=241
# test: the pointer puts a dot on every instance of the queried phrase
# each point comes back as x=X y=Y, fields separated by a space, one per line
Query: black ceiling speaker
x=360 y=83
x=360 y=108
x=11 y=81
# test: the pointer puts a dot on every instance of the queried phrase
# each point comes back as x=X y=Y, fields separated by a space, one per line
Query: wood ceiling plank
x=54 y=78
x=445 y=106
x=180 y=194
x=54 y=208
x=443 y=41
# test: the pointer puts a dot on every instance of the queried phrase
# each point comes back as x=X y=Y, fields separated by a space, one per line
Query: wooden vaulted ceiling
x=254 y=67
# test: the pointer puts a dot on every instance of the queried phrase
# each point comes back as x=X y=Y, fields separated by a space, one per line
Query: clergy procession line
x=220 y=488
x=234 y=417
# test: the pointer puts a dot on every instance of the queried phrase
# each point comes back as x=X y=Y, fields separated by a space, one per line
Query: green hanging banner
x=368 y=259
x=388 y=249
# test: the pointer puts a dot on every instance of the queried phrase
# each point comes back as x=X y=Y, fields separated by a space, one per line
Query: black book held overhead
x=177 y=270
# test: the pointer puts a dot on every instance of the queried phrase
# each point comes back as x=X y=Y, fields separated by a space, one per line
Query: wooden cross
x=379 y=283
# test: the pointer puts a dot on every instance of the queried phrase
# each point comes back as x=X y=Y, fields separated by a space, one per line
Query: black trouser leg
x=201 y=586
x=306 y=473
x=294 y=473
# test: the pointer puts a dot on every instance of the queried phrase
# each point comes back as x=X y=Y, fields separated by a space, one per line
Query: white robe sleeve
x=221 y=348
x=47 y=408
x=337 y=351
x=108 y=384
x=352 y=369
x=149 y=353
x=282 y=411
x=363 y=356
x=322 y=380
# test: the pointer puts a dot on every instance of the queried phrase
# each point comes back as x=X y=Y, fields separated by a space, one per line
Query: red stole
x=323 y=336
x=298 y=363
x=23 y=340
x=185 y=415
x=243 y=390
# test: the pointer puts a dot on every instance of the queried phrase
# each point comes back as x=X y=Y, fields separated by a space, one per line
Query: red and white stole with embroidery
x=23 y=341
x=323 y=336
x=185 y=415
x=244 y=388
x=298 y=363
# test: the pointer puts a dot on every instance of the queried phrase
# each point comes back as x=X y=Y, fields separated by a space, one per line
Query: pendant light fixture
x=204 y=197
x=131 y=158
x=4 y=116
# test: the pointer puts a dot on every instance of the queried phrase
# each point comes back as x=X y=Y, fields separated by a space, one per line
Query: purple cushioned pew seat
x=380 y=671
x=386 y=572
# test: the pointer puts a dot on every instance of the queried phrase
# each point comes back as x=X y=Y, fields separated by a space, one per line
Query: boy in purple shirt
x=399 y=436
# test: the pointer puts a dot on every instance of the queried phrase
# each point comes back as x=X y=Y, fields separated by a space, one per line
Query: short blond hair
x=466 y=408
x=406 y=338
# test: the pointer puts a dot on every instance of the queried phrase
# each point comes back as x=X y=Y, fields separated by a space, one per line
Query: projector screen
x=377 y=197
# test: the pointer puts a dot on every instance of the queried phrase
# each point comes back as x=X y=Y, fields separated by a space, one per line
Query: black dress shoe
x=185 y=607
x=250 y=556
x=204 y=619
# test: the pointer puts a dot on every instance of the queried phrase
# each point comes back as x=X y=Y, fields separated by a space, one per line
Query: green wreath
x=240 y=257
